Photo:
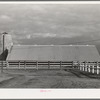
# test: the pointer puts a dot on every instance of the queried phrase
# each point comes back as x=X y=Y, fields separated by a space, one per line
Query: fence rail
x=36 y=64
x=90 y=67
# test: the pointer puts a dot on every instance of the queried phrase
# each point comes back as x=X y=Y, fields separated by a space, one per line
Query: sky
x=27 y=22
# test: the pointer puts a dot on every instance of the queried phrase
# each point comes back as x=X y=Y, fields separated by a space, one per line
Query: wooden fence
x=90 y=67
x=36 y=64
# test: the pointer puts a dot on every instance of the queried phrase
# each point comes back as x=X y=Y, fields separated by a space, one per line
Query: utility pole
x=3 y=50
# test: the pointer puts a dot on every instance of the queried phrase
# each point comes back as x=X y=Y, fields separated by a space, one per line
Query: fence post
x=86 y=66
x=24 y=64
x=60 y=65
x=37 y=65
x=72 y=65
x=82 y=65
x=48 y=64
x=2 y=66
x=79 y=65
x=97 y=68
x=89 y=68
x=93 y=68
x=19 y=64
x=7 y=64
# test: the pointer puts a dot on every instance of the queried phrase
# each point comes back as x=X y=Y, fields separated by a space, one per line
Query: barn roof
x=54 y=53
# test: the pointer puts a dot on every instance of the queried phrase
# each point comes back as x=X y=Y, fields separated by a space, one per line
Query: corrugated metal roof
x=54 y=53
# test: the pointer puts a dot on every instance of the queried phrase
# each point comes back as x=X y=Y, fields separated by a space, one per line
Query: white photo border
x=32 y=93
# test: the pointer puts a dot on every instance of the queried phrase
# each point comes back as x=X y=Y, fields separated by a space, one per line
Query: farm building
x=54 y=53
x=81 y=57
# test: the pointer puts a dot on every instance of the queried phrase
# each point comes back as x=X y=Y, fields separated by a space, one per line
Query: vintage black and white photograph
x=50 y=46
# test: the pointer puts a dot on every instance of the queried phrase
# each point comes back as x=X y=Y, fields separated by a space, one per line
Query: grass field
x=48 y=79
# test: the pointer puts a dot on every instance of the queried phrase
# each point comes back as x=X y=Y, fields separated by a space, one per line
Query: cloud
x=28 y=36
x=44 y=35
x=31 y=21
x=49 y=35
x=71 y=35
x=38 y=8
x=5 y=18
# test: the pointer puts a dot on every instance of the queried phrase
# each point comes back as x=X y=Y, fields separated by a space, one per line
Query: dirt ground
x=48 y=79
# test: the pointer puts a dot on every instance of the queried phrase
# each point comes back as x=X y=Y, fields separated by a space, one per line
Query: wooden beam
x=72 y=65
x=37 y=65
x=7 y=64
x=85 y=64
x=79 y=65
x=92 y=68
x=19 y=64
x=98 y=69
x=89 y=68
x=48 y=64
x=25 y=65
x=60 y=65
x=82 y=66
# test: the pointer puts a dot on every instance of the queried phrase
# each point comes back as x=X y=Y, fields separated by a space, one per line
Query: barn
x=63 y=56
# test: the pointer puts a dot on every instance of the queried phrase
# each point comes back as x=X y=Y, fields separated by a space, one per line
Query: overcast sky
x=29 y=21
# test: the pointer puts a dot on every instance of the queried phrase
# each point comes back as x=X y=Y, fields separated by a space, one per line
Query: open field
x=48 y=79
